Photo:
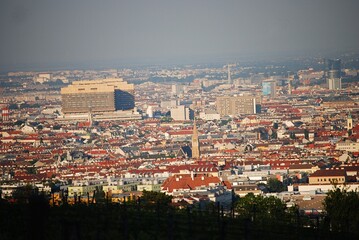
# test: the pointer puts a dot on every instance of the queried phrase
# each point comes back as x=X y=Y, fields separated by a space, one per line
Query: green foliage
x=150 y=197
x=274 y=135
x=99 y=195
x=342 y=209
x=274 y=185
x=31 y=170
x=27 y=105
x=166 y=119
x=56 y=127
x=350 y=132
x=37 y=220
x=24 y=194
x=19 y=122
x=306 y=134
x=13 y=106
x=292 y=135
x=259 y=208
x=224 y=122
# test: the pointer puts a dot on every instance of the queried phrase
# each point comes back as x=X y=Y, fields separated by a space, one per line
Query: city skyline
x=41 y=34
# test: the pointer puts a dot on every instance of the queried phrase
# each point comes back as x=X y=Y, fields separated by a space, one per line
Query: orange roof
x=186 y=182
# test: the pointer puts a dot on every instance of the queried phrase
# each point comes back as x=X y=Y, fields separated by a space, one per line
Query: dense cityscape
x=179 y=119
x=200 y=134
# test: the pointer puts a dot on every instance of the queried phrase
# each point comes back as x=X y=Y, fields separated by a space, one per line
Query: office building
x=269 y=87
x=43 y=77
x=182 y=113
x=332 y=68
x=229 y=74
x=149 y=112
x=177 y=89
x=334 y=83
x=105 y=95
x=333 y=73
x=228 y=105
x=167 y=104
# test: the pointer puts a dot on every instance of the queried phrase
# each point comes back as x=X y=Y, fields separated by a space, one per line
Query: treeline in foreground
x=154 y=217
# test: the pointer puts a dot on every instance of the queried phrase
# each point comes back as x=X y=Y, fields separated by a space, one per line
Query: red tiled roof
x=178 y=182
x=328 y=172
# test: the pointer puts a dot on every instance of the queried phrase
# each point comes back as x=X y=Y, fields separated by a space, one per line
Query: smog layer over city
x=179 y=119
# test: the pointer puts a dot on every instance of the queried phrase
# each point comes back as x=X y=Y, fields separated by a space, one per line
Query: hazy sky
x=61 y=33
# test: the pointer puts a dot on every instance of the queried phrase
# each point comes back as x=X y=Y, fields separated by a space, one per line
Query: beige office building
x=228 y=105
x=105 y=95
x=182 y=113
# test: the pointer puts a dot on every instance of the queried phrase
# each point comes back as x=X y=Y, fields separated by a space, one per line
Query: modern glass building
x=269 y=88
x=332 y=68
x=333 y=73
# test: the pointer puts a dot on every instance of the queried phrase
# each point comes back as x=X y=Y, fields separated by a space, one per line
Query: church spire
x=195 y=141
x=349 y=122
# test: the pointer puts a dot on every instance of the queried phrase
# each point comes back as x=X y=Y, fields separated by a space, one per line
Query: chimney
x=192 y=175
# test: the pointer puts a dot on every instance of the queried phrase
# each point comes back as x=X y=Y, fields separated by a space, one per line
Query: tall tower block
x=229 y=74
x=195 y=142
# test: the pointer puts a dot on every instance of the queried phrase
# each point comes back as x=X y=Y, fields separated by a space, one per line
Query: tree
x=99 y=195
x=306 y=134
x=56 y=127
x=224 y=122
x=342 y=209
x=350 y=132
x=31 y=170
x=40 y=127
x=274 y=135
x=166 y=119
x=260 y=209
x=151 y=197
x=275 y=125
x=19 y=122
x=274 y=185
x=13 y=106
x=23 y=194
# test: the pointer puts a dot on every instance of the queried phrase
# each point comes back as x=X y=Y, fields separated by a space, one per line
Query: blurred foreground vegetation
x=153 y=216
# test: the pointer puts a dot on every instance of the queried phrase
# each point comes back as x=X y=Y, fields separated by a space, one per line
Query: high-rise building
x=333 y=73
x=228 y=105
x=105 y=95
x=196 y=153
x=149 y=112
x=332 y=68
x=269 y=87
x=334 y=83
x=182 y=113
x=177 y=89
x=229 y=74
